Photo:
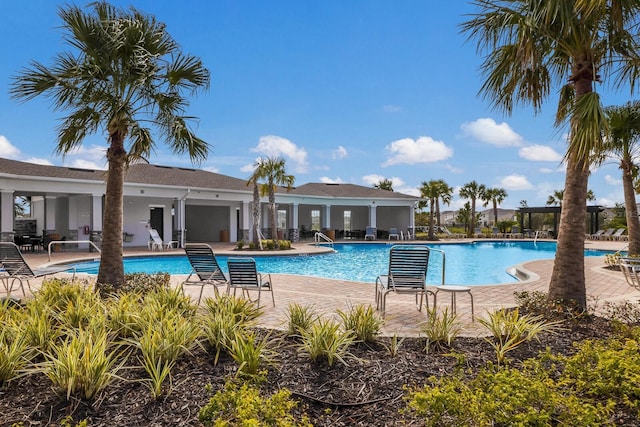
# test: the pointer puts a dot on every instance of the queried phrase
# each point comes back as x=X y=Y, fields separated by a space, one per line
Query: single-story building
x=187 y=205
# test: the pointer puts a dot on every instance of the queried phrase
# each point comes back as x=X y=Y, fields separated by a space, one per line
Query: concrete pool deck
x=402 y=318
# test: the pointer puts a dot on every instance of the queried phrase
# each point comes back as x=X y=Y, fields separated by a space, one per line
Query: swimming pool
x=466 y=263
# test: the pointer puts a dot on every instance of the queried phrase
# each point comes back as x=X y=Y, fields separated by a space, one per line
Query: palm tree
x=273 y=170
x=531 y=45
x=472 y=191
x=495 y=196
x=445 y=194
x=255 y=211
x=623 y=143
x=430 y=190
x=555 y=199
x=385 y=184
x=125 y=71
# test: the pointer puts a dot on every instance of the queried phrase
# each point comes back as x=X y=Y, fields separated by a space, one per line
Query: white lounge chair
x=370 y=233
x=631 y=269
x=155 y=241
x=393 y=233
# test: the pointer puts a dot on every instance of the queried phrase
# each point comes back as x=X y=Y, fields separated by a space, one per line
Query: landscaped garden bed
x=167 y=364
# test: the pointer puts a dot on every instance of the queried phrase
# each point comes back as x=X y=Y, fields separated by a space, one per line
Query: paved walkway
x=402 y=317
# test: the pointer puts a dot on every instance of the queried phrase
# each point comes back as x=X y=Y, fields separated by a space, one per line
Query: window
x=282 y=219
x=347 y=220
x=315 y=219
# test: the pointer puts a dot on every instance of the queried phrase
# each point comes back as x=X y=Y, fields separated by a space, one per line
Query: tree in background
x=495 y=196
x=124 y=71
x=528 y=47
x=385 y=184
x=555 y=199
x=622 y=142
x=472 y=191
x=253 y=181
x=273 y=170
x=445 y=194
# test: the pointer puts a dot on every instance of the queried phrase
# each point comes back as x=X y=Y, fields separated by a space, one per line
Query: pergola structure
x=593 y=212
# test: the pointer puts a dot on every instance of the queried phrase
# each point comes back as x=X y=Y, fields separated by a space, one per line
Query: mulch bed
x=368 y=392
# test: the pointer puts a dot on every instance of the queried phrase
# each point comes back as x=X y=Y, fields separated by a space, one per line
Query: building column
x=247 y=230
x=372 y=215
x=294 y=232
x=412 y=219
x=50 y=214
x=7 y=201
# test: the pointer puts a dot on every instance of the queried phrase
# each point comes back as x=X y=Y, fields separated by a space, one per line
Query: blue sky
x=346 y=91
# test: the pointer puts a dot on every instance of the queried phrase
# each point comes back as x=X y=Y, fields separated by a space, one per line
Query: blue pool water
x=466 y=263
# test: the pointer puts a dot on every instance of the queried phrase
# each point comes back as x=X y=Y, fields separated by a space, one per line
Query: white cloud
x=540 y=153
x=39 y=161
x=515 y=182
x=247 y=168
x=327 y=180
x=392 y=109
x=7 y=149
x=611 y=180
x=272 y=146
x=372 y=179
x=412 y=191
x=94 y=152
x=487 y=130
x=423 y=150
x=339 y=153
x=546 y=170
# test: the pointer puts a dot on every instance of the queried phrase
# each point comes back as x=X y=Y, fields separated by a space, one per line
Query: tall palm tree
x=431 y=191
x=495 y=196
x=123 y=72
x=273 y=170
x=555 y=198
x=255 y=208
x=445 y=194
x=531 y=45
x=622 y=142
x=472 y=191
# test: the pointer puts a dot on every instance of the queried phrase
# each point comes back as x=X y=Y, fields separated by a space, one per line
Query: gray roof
x=142 y=173
x=348 y=190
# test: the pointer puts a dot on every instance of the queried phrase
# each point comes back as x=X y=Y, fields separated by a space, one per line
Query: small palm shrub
x=243 y=310
x=363 y=321
x=123 y=314
x=509 y=330
x=300 y=318
x=142 y=283
x=440 y=329
x=82 y=365
x=250 y=352
x=244 y=405
x=38 y=326
x=15 y=353
x=325 y=340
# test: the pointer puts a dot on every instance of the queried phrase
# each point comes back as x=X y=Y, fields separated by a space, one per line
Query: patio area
x=402 y=317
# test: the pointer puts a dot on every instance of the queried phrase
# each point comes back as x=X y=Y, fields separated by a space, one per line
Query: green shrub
x=240 y=244
x=81 y=365
x=326 y=341
x=300 y=318
x=123 y=314
x=142 y=283
x=252 y=246
x=509 y=330
x=526 y=396
x=15 y=353
x=440 y=329
x=243 y=405
x=363 y=321
x=250 y=352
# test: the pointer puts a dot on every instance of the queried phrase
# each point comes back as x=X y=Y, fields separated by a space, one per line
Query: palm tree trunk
x=111 y=270
x=431 y=227
x=495 y=213
x=633 y=222
x=567 y=279
x=255 y=211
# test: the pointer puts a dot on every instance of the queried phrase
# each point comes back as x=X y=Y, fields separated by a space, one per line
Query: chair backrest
x=153 y=233
x=370 y=231
x=408 y=266
x=609 y=232
x=631 y=269
x=12 y=260
x=243 y=272
x=618 y=232
x=393 y=231
x=204 y=262
x=515 y=229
